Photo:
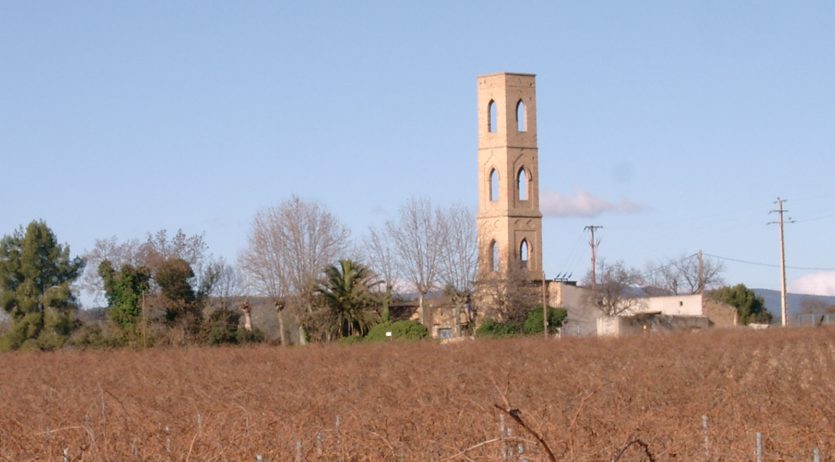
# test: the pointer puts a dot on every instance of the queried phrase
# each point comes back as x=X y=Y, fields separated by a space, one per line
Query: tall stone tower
x=509 y=220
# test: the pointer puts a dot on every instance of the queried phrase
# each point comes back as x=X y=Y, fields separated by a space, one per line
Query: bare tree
x=418 y=239
x=228 y=283
x=380 y=251
x=508 y=295
x=618 y=287
x=158 y=247
x=118 y=253
x=264 y=262
x=459 y=258
x=685 y=275
x=289 y=246
x=811 y=305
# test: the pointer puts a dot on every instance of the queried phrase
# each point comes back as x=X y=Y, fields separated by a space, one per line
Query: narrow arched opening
x=522 y=184
x=492 y=117
x=523 y=254
x=494 y=257
x=521 y=116
x=494 y=185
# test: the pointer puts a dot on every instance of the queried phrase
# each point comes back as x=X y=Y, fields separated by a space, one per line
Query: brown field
x=426 y=401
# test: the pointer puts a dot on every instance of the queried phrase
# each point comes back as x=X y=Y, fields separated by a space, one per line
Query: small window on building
x=494 y=257
x=523 y=254
x=494 y=185
x=522 y=184
x=492 y=114
x=521 y=117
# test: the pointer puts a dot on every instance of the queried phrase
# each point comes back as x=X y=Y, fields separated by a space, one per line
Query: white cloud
x=814 y=284
x=583 y=204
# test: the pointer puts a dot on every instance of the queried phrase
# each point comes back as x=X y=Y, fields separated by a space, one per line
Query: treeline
x=168 y=290
x=323 y=285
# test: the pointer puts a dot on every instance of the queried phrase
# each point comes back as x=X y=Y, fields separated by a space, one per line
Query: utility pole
x=544 y=306
x=144 y=324
x=783 y=296
x=593 y=243
x=701 y=272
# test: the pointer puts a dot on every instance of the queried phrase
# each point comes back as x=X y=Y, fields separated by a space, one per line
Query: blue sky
x=675 y=125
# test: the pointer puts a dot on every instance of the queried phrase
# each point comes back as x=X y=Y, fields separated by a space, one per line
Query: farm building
x=639 y=314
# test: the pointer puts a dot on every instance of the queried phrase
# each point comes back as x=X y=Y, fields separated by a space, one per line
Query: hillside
x=795 y=301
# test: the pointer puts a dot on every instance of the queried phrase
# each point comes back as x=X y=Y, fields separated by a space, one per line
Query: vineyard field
x=586 y=398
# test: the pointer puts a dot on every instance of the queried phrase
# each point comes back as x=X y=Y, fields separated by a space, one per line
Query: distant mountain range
x=795 y=301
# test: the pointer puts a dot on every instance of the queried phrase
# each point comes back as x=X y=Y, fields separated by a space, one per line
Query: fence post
x=707 y=440
x=338 y=438
x=319 y=444
x=508 y=447
x=502 y=435
x=759 y=447
x=168 y=439
x=298 y=451
x=816 y=455
x=66 y=454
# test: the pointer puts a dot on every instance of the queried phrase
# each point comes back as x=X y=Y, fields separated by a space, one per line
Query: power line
x=820 y=217
x=672 y=263
x=769 y=265
x=571 y=260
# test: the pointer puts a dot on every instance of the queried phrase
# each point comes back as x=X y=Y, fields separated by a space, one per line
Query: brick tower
x=509 y=220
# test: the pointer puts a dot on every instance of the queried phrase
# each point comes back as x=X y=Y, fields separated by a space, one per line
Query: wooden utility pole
x=593 y=243
x=544 y=306
x=701 y=272
x=144 y=323
x=783 y=295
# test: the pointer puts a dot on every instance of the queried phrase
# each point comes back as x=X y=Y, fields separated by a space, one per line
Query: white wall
x=675 y=305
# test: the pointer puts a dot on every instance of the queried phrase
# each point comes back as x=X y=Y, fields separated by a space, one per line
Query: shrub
x=221 y=327
x=400 y=330
x=496 y=329
x=97 y=335
x=350 y=340
x=533 y=323
x=244 y=336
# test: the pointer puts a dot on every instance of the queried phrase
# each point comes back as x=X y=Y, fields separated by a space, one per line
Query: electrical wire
x=672 y=263
x=769 y=265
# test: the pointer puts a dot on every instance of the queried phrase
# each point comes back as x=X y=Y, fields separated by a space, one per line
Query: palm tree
x=347 y=294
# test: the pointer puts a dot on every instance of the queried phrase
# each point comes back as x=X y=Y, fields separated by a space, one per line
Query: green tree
x=181 y=304
x=124 y=290
x=35 y=277
x=347 y=295
x=750 y=307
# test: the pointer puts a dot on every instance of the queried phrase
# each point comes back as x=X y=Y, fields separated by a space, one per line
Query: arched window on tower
x=494 y=185
x=521 y=117
x=523 y=254
x=492 y=114
x=494 y=257
x=522 y=184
